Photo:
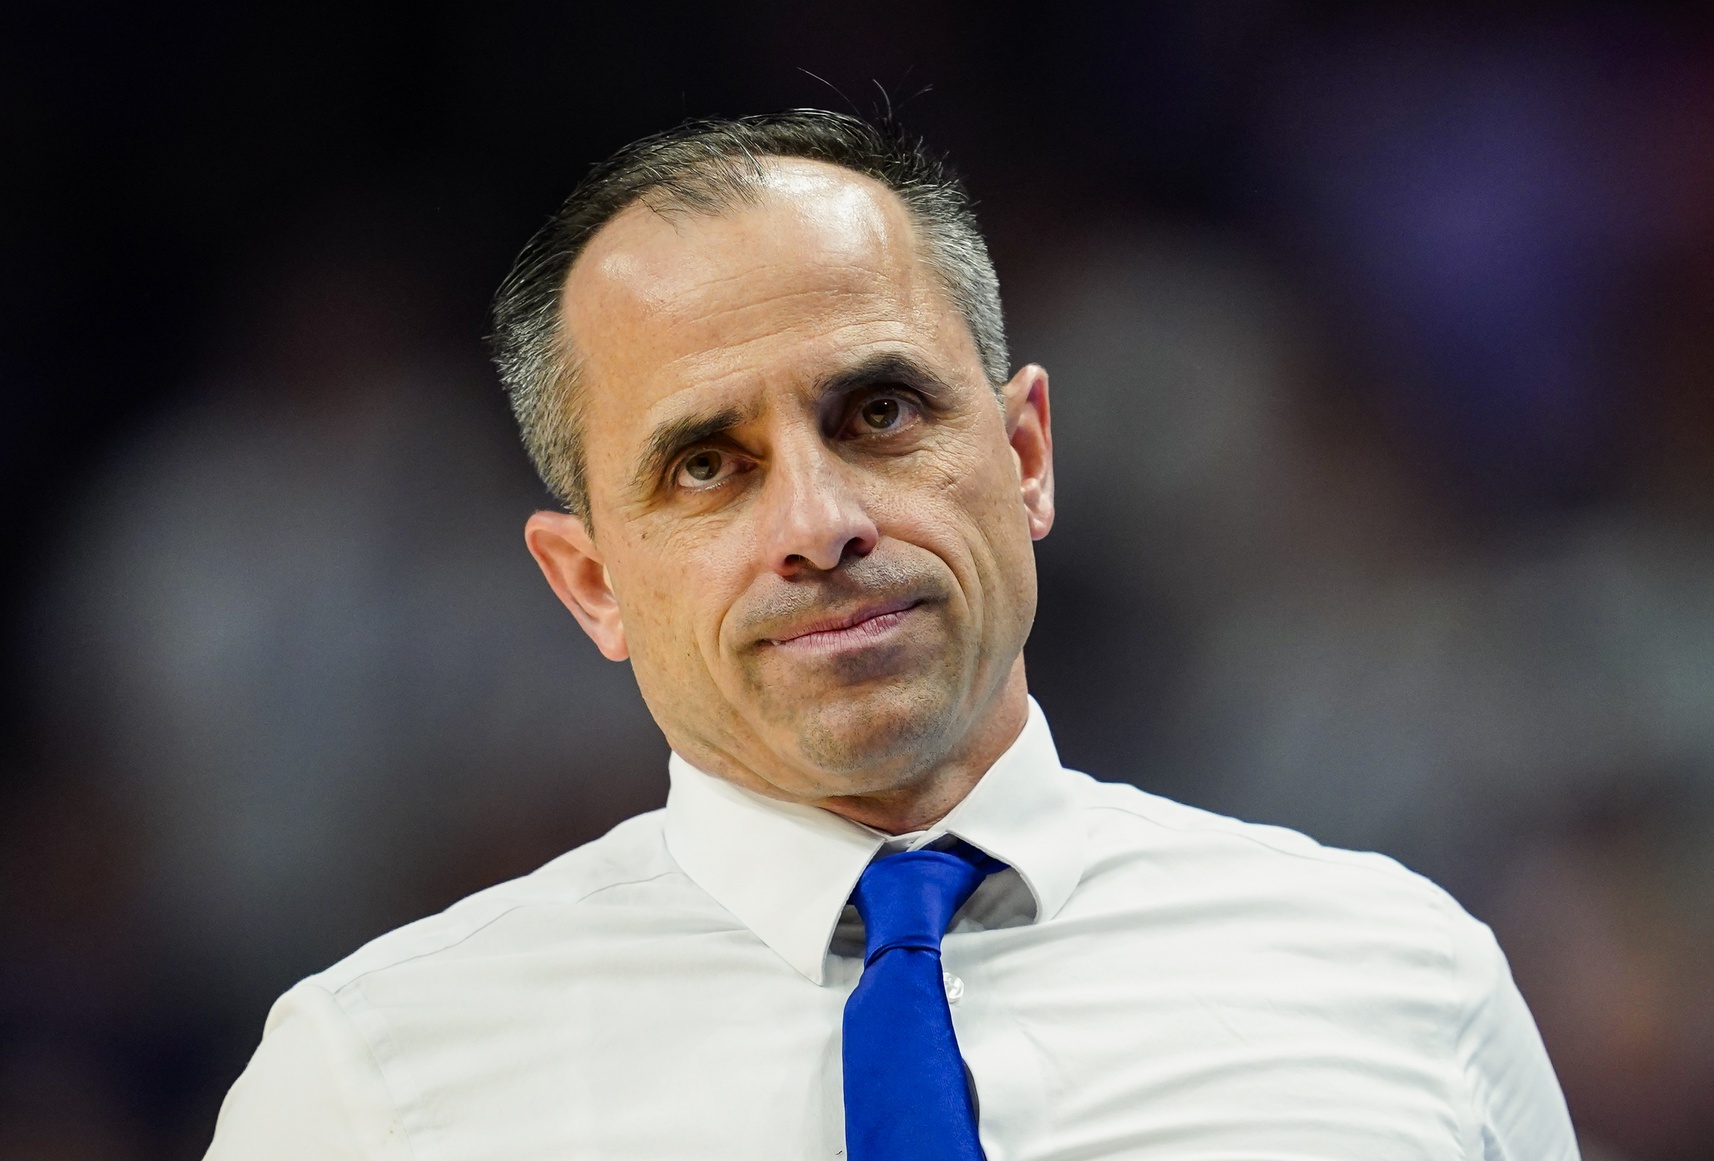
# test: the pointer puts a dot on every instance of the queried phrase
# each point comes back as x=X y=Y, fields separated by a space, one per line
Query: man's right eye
x=706 y=468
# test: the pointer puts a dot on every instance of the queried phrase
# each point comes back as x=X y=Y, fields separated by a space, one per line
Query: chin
x=880 y=735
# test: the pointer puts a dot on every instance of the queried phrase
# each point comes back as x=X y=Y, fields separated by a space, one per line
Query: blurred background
x=1382 y=342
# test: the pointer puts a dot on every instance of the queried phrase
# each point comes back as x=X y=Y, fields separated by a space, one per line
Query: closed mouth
x=833 y=632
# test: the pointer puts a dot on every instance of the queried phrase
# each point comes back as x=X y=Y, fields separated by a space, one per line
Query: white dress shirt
x=1147 y=981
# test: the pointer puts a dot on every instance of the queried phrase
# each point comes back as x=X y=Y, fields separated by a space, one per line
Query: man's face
x=812 y=514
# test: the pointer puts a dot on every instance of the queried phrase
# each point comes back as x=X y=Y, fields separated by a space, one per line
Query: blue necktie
x=906 y=1096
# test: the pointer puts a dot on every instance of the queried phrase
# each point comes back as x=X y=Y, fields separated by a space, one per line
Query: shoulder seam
x=381 y=1073
x=487 y=923
x=1391 y=869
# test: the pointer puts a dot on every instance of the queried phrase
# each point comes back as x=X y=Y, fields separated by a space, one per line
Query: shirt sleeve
x=312 y=1092
x=1519 y=1108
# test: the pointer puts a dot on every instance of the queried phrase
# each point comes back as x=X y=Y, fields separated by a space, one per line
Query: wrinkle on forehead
x=814 y=233
x=812 y=209
x=762 y=296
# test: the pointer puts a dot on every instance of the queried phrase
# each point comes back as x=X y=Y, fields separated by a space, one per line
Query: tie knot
x=907 y=899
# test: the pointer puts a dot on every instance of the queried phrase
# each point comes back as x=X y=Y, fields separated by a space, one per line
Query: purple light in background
x=1477 y=203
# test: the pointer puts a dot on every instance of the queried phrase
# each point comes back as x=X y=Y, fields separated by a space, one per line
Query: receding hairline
x=658 y=204
x=710 y=166
x=650 y=205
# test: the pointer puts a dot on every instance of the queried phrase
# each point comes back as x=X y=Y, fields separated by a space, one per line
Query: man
x=761 y=362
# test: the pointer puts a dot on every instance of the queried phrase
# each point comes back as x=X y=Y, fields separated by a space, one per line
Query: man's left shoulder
x=1146 y=834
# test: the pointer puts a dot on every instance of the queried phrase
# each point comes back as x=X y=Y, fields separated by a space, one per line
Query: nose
x=814 y=517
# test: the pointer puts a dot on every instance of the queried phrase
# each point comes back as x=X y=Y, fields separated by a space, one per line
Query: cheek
x=676 y=595
x=966 y=509
x=1001 y=535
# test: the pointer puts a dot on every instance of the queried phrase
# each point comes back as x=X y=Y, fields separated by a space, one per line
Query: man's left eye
x=882 y=413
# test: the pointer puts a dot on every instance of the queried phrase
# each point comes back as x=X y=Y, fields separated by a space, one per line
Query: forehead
x=822 y=265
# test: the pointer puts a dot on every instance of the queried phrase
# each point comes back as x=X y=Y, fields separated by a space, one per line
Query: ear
x=569 y=559
x=1030 y=432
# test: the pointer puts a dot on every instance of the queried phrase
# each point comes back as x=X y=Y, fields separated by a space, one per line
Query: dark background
x=1382 y=340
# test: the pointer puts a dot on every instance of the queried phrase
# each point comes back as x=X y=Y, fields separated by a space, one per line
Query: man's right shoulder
x=631 y=854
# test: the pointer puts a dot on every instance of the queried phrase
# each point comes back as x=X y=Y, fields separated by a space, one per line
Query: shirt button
x=954 y=987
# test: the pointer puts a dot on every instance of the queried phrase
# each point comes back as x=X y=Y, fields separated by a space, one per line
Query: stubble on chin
x=870 y=737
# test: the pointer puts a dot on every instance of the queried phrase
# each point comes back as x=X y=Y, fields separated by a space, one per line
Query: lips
x=867 y=621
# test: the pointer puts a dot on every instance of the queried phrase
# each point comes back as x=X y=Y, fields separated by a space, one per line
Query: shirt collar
x=786 y=870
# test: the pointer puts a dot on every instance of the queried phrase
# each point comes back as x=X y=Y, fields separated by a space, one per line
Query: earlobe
x=572 y=564
x=1029 y=430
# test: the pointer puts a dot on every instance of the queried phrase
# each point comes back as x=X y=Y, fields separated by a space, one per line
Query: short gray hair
x=705 y=167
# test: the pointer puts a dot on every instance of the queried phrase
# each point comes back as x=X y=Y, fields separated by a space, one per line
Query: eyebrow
x=891 y=367
x=674 y=435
